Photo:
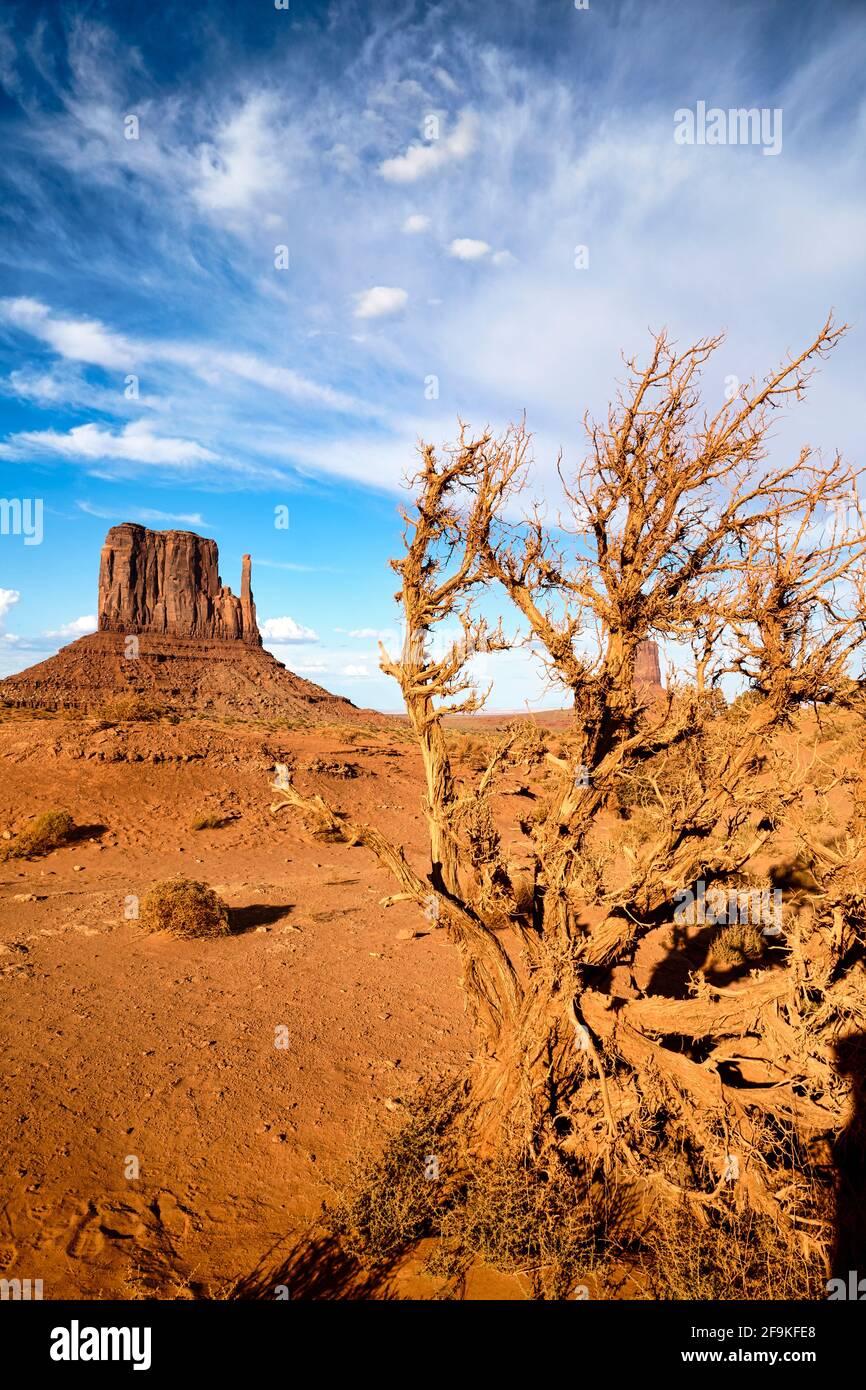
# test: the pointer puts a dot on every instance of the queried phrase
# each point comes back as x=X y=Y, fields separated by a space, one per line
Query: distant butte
x=173 y=637
x=646 y=667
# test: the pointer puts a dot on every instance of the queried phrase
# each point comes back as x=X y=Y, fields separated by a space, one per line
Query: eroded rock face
x=646 y=667
x=168 y=583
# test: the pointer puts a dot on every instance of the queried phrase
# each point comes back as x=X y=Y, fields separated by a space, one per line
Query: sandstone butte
x=646 y=667
x=174 y=638
x=167 y=583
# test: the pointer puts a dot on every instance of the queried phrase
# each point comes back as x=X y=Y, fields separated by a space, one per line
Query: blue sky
x=431 y=169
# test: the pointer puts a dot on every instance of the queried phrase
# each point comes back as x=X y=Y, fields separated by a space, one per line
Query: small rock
x=79 y=868
x=24 y=898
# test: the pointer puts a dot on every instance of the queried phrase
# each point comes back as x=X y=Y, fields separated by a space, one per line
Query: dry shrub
x=732 y=1255
x=387 y=1202
x=556 y=1226
x=46 y=832
x=546 y=1224
x=737 y=944
x=185 y=908
x=472 y=749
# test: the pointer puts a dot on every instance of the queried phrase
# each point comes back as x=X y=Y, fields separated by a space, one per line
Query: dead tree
x=675 y=527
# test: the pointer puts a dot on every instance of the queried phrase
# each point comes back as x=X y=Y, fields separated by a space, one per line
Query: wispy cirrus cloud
x=91 y=341
x=145 y=515
x=295 y=568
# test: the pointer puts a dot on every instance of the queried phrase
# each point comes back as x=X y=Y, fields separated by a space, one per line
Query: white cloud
x=241 y=165
x=142 y=514
x=416 y=222
x=79 y=627
x=380 y=301
x=89 y=341
x=286 y=630
x=359 y=672
x=8 y=599
x=299 y=569
x=503 y=258
x=136 y=443
x=82 y=340
x=282 y=380
x=465 y=248
x=50 y=388
x=378 y=634
x=419 y=160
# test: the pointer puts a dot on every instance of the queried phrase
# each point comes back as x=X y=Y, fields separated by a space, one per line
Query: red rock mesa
x=167 y=583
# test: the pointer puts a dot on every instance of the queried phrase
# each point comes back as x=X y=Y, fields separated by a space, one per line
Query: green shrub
x=45 y=833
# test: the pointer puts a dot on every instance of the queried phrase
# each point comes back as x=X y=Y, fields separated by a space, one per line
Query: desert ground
x=243 y=1073
x=118 y=1043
